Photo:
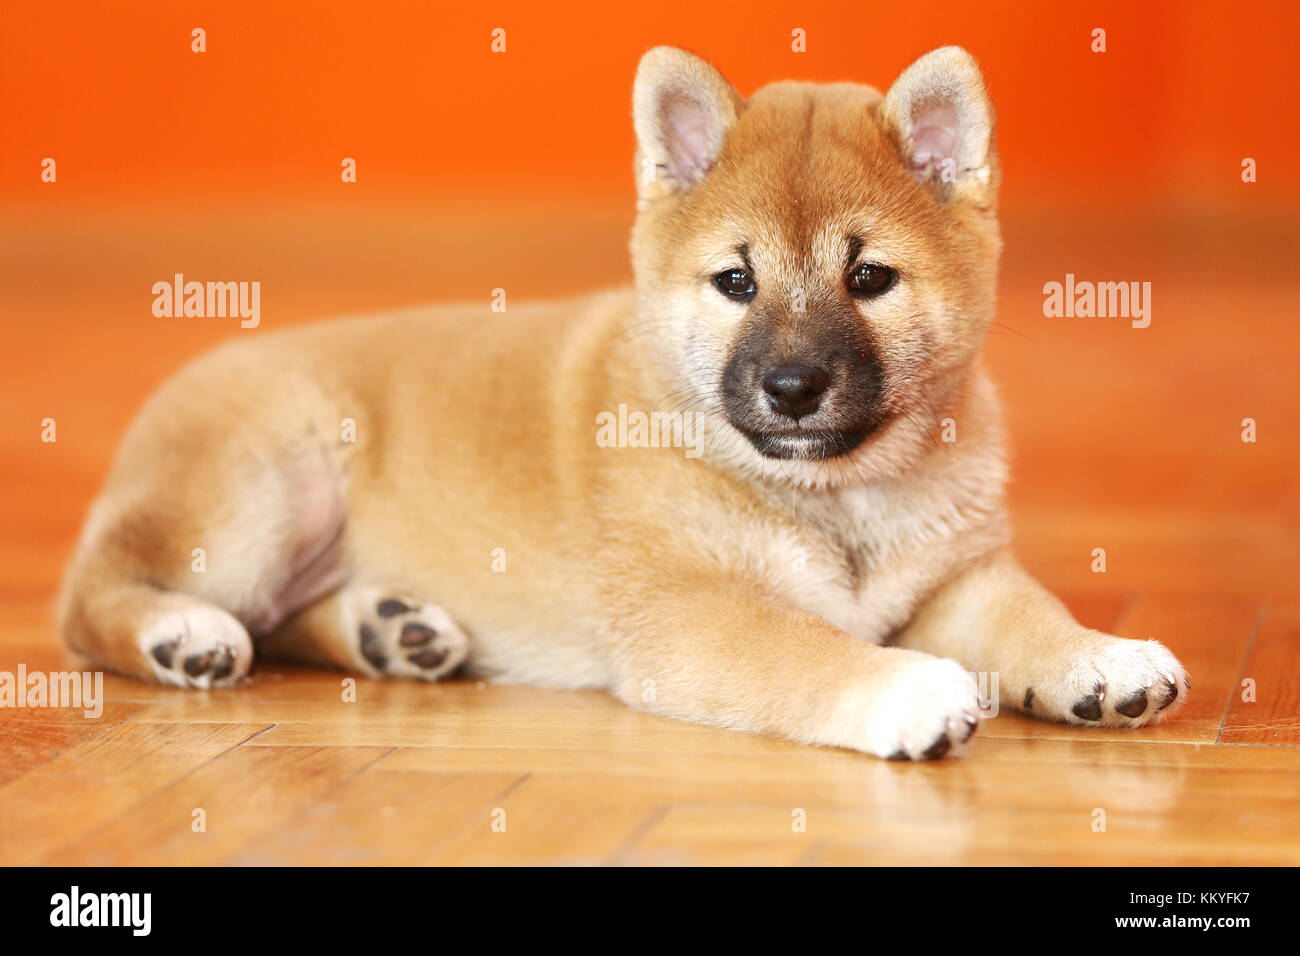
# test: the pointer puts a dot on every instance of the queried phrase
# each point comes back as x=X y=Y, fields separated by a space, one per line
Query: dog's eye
x=736 y=284
x=871 y=279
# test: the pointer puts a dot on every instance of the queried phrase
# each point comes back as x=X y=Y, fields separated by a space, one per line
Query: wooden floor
x=1127 y=440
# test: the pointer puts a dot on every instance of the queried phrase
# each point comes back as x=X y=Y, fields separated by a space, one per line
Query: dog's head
x=819 y=261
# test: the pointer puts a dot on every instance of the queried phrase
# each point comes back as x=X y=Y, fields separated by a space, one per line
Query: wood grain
x=91 y=783
x=1265 y=701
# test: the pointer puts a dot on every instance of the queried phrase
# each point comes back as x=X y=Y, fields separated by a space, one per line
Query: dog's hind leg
x=179 y=569
x=378 y=631
x=160 y=635
x=137 y=603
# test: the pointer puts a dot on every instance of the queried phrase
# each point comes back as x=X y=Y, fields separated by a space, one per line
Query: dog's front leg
x=720 y=651
x=996 y=619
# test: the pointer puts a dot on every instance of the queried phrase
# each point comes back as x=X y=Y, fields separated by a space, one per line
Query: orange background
x=481 y=170
x=413 y=92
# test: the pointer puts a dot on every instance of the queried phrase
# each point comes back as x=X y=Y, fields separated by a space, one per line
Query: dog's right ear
x=682 y=110
x=939 y=114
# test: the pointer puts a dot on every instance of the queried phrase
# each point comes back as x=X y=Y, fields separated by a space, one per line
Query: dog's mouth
x=813 y=444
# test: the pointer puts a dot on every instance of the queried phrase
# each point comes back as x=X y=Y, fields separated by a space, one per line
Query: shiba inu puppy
x=413 y=493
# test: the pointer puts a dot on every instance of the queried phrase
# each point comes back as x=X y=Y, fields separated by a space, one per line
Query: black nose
x=795 y=390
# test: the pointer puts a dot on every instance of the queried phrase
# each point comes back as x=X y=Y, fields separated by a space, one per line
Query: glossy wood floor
x=1127 y=440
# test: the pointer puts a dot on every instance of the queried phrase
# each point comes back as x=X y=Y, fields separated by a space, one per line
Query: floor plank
x=35 y=737
x=390 y=818
x=555 y=820
x=241 y=794
x=58 y=802
x=1163 y=804
x=1269 y=711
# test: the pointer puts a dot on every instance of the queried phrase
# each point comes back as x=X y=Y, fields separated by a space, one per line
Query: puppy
x=810 y=542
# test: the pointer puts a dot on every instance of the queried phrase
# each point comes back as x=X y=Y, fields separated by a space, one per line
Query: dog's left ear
x=683 y=110
x=939 y=115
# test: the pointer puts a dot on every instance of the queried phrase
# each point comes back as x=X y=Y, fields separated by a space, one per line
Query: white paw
x=1115 y=683
x=398 y=637
x=923 y=710
x=199 y=647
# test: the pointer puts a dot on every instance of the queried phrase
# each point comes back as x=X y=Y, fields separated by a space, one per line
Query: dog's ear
x=682 y=110
x=939 y=115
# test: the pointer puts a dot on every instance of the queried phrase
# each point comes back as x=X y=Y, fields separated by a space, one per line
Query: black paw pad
x=165 y=653
x=1090 y=707
x=393 y=607
x=429 y=659
x=371 y=648
x=1029 y=699
x=218 y=662
x=938 y=748
x=415 y=634
x=899 y=754
x=224 y=665
x=1134 y=706
x=1170 y=695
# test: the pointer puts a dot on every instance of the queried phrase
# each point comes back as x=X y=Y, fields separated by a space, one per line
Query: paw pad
x=217 y=662
x=204 y=647
x=1134 y=705
x=1115 y=683
x=1170 y=692
x=1089 y=708
x=415 y=634
x=206 y=667
x=399 y=637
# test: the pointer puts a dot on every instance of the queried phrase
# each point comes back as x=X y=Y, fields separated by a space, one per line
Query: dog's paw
x=200 y=647
x=1114 y=683
x=397 y=637
x=923 y=710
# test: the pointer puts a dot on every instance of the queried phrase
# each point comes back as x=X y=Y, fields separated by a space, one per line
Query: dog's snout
x=795 y=390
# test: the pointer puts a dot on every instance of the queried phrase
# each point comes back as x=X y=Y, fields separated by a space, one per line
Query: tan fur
x=731 y=588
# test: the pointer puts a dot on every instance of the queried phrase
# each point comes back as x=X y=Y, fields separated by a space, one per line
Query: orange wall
x=411 y=89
